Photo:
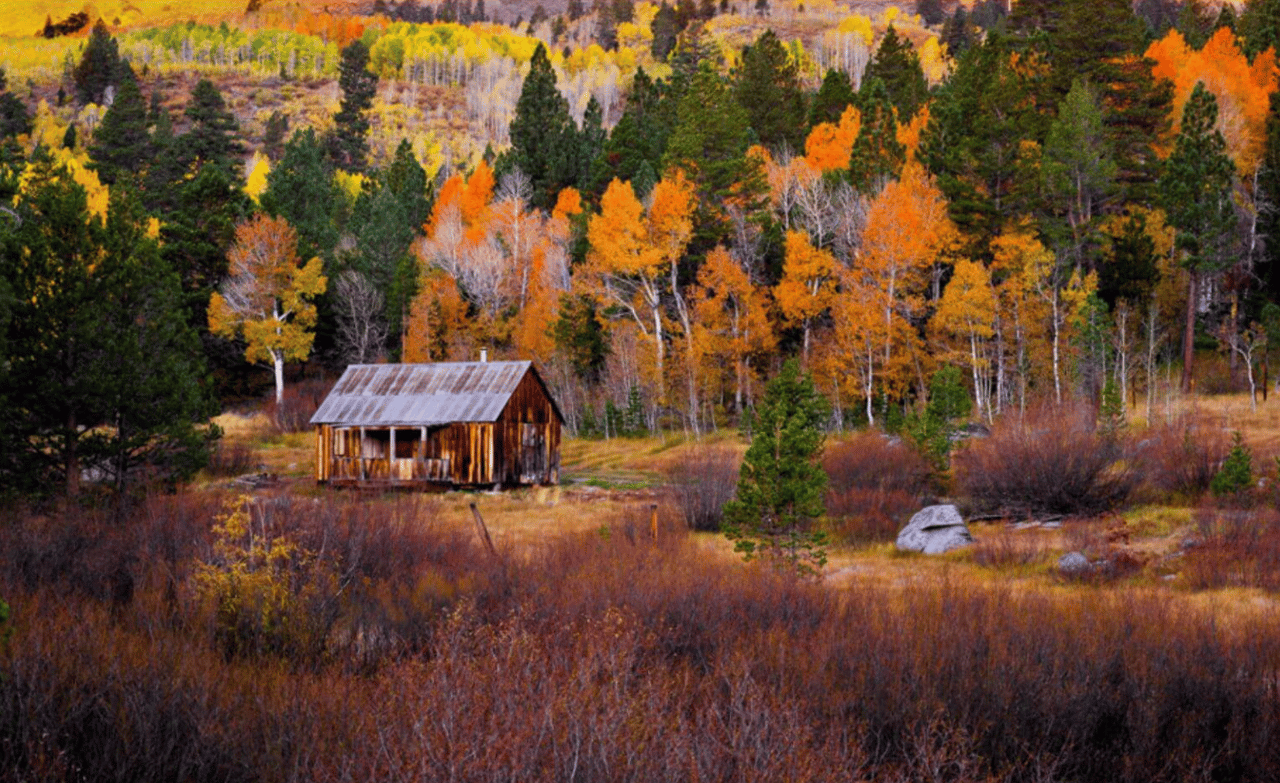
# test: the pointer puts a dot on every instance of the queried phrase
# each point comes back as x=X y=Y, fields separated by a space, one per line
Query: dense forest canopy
x=658 y=203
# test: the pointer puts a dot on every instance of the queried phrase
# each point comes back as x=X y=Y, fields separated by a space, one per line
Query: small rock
x=1074 y=564
x=934 y=530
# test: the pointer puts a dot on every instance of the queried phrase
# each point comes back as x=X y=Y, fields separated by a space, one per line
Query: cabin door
x=533 y=453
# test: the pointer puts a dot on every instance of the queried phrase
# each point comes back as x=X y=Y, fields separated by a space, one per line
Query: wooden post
x=360 y=453
x=484 y=531
x=391 y=457
x=653 y=520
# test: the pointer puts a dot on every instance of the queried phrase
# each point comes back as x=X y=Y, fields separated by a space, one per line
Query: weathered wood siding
x=528 y=436
x=521 y=447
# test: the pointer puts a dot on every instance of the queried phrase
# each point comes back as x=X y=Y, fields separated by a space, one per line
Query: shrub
x=1181 y=458
x=231 y=458
x=701 y=481
x=874 y=483
x=1052 y=462
x=1235 y=548
x=298 y=404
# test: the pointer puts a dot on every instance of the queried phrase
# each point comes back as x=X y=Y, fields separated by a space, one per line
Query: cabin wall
x=528 y=437
x=522 y=447
x=459 y=454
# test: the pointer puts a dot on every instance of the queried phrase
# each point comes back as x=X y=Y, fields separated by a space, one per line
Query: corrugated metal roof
x=374 y=395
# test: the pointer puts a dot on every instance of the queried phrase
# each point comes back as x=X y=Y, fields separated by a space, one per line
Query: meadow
x=276 y=630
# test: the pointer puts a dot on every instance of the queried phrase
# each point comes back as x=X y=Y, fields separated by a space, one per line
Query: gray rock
x=934 y=530
x=1074 y=564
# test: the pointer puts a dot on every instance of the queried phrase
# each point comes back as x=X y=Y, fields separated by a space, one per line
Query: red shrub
x=874 y=483
x=1182 y=457
x=298 y=404
x=1052 y=461
x=701 y=481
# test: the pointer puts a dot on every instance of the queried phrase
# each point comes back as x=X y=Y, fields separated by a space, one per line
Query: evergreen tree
x=590 y=143
x=1235 y=477
x=834 y=96
x=406 y=178
x=301 y=189
x=212 y=136
x=100 y=66
x=781 y=485
x=709 y=143
x=121 y=143
x=957 y=33
x=766 y=84
x=877 y=155
x=931 y=11
x=273 y=136
x=543 y=136
x=349 y=146
x=197 y=231
x=897 y=66
x=1129 y=272
x=1196 y=194
x=1269 y=186
x=1260 y=26
x=665 y=30
x=639 y=138
x=978 y=125
x=102 y=370
x=1077 y=172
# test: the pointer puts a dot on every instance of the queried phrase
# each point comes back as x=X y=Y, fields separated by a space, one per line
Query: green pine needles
x=781 y=485
x=1235 y=477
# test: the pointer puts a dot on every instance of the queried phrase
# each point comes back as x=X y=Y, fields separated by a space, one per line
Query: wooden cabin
x=450 y=424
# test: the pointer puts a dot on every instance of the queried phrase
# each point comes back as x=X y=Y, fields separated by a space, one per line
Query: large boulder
x=934 y=530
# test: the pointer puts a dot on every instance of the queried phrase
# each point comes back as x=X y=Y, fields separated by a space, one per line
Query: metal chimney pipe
x=484 y=354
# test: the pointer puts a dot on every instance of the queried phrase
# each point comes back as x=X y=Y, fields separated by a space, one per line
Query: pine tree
x=897 y=66
x=1196 y=195
x=590 y=144
x=100 y=360
x=1130 y=271
x=1236 y=474
x=543 y=136
x=301 y=189
x=1077 y=171
x=834 y=96
x=349 y=146
x=406 y=178
x=100 y=66
x=665 y=29
x=639 y=138
x=273 y=136
x=1260 y=26
x=212 y=137
x=709 y=144
x=877 y=153
x=767 y=86
x=121 y=143
x=781 y=485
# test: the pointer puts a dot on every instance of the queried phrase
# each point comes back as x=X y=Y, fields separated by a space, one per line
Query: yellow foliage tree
x=807 y=286
x=267 y=296
x=967 y=312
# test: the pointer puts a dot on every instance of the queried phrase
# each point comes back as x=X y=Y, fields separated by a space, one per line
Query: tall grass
x=603 y=658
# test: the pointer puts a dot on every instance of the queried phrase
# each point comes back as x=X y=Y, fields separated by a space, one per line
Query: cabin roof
x=383 y=395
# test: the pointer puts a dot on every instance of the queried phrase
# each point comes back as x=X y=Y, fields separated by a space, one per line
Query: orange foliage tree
x=634 y=259
x=807 y=286
x=907 y=229
x=731 y=321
